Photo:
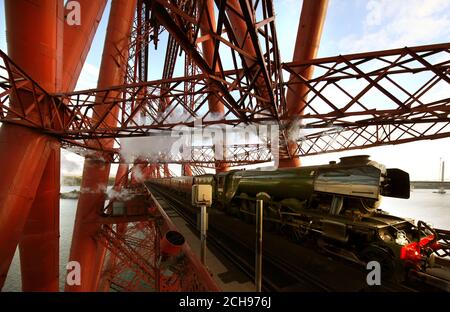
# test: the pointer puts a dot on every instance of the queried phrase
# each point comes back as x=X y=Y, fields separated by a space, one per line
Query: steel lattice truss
x=376 y=98
x=132 y=256
x=353 y=101
x=134 y=261
x=205 y=156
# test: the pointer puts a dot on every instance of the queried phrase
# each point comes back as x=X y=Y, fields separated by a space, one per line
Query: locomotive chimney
x=355 y=160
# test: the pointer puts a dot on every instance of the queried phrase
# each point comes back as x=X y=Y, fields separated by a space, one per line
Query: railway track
x=220 y=244
x=281 y=272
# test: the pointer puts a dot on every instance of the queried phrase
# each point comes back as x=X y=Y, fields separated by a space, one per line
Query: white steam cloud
x=122 y=195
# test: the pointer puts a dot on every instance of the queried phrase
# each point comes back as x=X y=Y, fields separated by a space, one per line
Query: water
x=67 y=217
x=423 y=205
x=66 y=189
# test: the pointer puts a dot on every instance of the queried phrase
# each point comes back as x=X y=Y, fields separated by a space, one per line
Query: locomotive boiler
x=356 y=183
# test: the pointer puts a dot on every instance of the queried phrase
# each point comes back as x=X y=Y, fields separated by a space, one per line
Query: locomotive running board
x=436 y=277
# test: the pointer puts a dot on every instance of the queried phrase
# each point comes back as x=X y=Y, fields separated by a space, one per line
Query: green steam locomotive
x=335 y=205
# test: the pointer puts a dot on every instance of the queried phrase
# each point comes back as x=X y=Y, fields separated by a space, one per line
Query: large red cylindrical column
x=33 y=29
x=121 y=177
x=152 y=171
x=23 y=156
x=85 y=248
x=39 y=246
x=77 y=41
x=208 y=24
x=166 y=171
x=239 y=26
x=309 y=32
x=186 y=170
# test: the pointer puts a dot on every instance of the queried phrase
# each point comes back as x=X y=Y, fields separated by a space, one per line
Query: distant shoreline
x=70 y=195
x=428 y=185
x=76 y=181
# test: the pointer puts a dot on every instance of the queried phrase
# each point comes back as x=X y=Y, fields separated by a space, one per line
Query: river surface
x=423 y=205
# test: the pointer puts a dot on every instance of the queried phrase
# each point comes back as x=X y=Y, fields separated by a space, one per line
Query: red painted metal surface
x=207 y=26
x=186 y=170
x=195 y=276
x=396 y=117
x=23 y=158
x=77 y=41
x=26 y=216
x=39 y=245
x=121 y=181
x=328 y=119
x=232 y=76
x=309 y=32
x=141 y=258
x=121 y=176
x=88 y=252
x=34 y=32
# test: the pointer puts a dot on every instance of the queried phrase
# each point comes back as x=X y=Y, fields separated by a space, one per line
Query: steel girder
x=355 y=101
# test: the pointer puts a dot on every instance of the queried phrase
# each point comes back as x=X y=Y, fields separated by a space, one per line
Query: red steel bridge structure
x=233 y=76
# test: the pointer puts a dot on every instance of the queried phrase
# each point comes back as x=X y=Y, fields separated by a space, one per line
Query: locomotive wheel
x=377 y=253
x=245 y=206
x=269 y=226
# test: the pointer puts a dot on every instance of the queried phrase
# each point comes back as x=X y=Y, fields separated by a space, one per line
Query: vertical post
x=157 y=258
x=442 y=188
x=258 y=248
x=203 y=228
x=202 y=197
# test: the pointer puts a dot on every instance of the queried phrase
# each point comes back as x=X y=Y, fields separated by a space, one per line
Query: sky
x=351 y=26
